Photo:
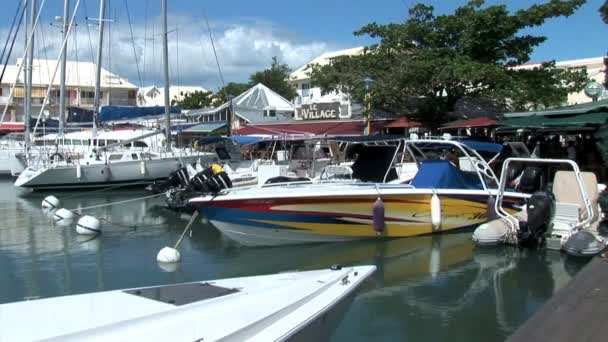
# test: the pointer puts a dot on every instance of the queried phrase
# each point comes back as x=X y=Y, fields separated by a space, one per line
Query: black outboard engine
x=540 y=209
x=532 y=179
x=210 y=180
x=178 y=178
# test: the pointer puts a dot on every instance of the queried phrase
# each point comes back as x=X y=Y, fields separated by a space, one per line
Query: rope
x=86 y=18
x=145 y=37
x=217 y=61
x=119 y=202
x=141 y=84
x=10 y=32
x=102 y=190
x=192 y=218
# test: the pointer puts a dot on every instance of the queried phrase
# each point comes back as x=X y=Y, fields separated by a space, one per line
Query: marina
x=443 y=279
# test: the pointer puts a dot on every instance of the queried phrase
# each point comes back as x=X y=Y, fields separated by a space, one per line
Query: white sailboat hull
x=286 y=306
x=101 y=175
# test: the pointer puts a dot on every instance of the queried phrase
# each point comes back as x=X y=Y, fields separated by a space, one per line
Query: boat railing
x=511 y=220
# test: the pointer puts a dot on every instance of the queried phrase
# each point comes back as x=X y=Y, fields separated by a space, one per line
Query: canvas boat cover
x=441 y=174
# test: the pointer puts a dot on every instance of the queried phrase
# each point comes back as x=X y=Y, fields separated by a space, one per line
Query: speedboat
x=286 y=306
x=440 y=197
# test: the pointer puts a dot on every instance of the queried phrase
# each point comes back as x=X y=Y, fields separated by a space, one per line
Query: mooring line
x=113 y=203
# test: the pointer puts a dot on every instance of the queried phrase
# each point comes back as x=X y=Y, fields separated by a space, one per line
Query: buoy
x=167 y=255
x=78 y=171
x=378 y=216
x=491 y=202
x=50 y=202
x=584 y=244
x=435 y=212
x=88 y=225
x=491 y=233
x=63 y=217
x=142 y=168
x=172 y=255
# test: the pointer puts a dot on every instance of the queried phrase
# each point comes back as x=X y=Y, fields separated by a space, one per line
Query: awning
x=307 y=129
x=403 y=122
x=540 y=121
x=12 y=127
x=471 y=123
x=205 y=127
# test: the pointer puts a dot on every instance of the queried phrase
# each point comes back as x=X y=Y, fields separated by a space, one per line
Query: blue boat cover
x=116 y=113
x=441 y=174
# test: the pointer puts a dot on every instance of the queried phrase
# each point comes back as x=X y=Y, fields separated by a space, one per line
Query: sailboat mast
x=29 y=60
x=166 y=75
x=97 y=100
x=66 y=13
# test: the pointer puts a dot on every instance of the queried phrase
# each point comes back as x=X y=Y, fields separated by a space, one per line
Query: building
x=596 y=71
x=154 y=96
x=80 y=88
x=312 y=103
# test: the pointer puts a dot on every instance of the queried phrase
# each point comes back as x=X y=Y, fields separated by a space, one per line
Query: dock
x=577 y=312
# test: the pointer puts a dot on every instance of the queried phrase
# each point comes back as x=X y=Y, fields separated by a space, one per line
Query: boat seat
x=569 y=204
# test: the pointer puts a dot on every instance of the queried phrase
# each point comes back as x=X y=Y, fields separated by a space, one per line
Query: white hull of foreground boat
x=302 y=306
x=135 y=172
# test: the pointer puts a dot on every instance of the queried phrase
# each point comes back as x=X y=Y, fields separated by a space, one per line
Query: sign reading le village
x=320 y=111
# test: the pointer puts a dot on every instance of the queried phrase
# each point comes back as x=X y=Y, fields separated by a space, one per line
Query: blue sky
x=248 y=33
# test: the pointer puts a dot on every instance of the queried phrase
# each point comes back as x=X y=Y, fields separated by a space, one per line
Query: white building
x=311 y=103
x=596 y=71
x=155 y=96
x=80 y=88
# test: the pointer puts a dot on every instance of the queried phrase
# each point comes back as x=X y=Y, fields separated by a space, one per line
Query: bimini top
x=441 y=174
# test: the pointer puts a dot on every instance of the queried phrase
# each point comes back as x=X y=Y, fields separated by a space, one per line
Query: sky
x=247 y=34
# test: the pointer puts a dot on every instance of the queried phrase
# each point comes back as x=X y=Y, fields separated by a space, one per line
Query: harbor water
x=430 y=288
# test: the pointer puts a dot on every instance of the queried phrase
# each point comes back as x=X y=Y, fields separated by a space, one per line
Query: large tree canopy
x=194 y=100
x=231 y=89
x=428 y=63
x=275 y=78
x=604 y=12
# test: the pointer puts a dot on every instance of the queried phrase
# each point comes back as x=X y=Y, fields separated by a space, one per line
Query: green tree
x=194 y=100
x=231 y=89
x=430 y=62
x=275 y=78
x=604 y=12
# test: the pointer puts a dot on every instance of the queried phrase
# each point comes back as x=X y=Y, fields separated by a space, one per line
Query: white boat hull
x=287 y=306
x=95 y=176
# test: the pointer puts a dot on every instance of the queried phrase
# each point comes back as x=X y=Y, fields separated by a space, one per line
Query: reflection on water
x=430 y=287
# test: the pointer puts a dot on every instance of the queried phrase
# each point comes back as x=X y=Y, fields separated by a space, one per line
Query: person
x=571 y=151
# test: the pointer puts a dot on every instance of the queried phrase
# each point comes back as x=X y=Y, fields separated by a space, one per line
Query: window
x=132 y=94
x=115 y=157
x=87 y=94
x=134 y=156
x=139 y=144
x=305 y=90
x=271 y=113
x=1 y=91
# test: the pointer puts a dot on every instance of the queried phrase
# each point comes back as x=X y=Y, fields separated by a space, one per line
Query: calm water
x=428 y=288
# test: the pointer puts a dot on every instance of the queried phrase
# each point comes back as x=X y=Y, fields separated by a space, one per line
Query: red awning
x=305 y=128
x=12 y=127
x=403 y=122
x=471 y=123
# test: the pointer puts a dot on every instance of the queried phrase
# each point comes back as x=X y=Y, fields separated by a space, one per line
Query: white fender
x=435 y=212
x=78 y=171
x=142 y=168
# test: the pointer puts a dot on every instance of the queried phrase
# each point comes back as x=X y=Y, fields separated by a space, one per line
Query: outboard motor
x=177 y=178
x=532 y=180
x=212 y=179
x=540 y=209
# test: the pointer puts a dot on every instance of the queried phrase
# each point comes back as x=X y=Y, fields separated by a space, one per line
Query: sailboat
x=119 y=163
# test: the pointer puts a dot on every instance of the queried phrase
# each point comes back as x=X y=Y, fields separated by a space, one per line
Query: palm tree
x=604 y=12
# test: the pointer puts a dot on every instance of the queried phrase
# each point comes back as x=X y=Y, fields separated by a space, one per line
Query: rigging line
x=46 y=56
x=86 y=21
x=63 y=46
x=11 y=94
x=141 y=84
x=177 y=52
x=77 y=59
x=145 y=37
x=10 y=50
x=10 y=32
x=217 y=61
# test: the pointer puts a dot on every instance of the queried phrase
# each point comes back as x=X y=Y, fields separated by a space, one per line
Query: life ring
x=60 y=156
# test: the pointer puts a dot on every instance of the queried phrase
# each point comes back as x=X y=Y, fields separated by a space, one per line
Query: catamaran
x=443 y=195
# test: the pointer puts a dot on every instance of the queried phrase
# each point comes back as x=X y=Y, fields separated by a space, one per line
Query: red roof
x=12 y=127
x=306 y=128
x=476 y=122
x=403 y=122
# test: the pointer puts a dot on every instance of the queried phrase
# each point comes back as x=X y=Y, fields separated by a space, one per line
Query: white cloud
x=242 y=49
